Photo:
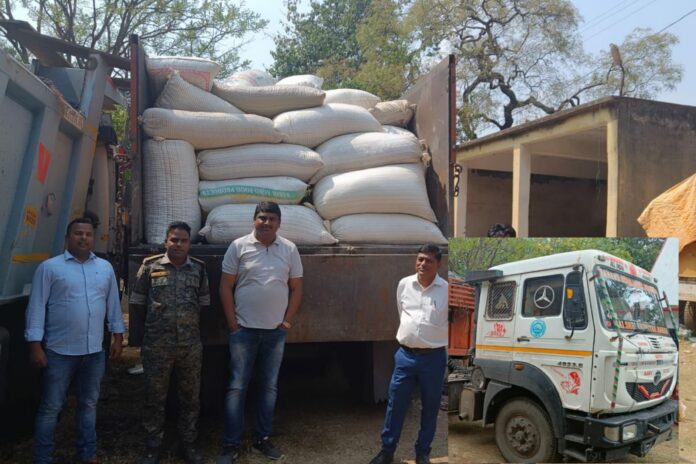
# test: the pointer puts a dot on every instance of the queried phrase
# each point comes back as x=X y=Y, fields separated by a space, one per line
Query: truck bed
x=349 y=290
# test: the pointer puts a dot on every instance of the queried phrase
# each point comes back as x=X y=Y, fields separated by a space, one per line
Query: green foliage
x=389 y=64
x=167 y=27
x=119 y=121
x=322 y=41
x=361 y=44
x=466 y=254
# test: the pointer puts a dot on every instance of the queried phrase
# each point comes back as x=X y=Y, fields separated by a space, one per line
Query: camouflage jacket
x=173 y=298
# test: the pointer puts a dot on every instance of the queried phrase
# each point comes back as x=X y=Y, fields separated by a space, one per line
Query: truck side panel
x=46 y=152
x=347 y=297
x=434 y=122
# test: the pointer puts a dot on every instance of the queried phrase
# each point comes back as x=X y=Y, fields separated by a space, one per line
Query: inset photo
x=563 y=349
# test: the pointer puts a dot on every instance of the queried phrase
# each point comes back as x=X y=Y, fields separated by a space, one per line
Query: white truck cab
x=572 y=355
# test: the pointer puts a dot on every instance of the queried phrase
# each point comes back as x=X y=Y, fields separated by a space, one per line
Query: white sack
x=258 y=159
x=367 y=150
x=352 y=97
x=396 y=130
x=398 y=188
x=269 y=100
x=197 y=71
x=281 y=189
x=395 y=112
x=180 y=95
x=308 y=80
x=395 y=229
x=170 y=188
x=250 y=78
x=209 y=130
x=299 y=224
x=314 y=126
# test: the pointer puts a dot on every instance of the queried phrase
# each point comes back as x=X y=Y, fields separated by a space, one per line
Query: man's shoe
x=151 y=456
x=228 y=456
x=422 y=458
x=384 y=457
x=191 y=455
x=266 y=448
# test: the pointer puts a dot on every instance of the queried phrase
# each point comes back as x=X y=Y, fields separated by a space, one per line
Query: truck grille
x=655 y=342
x=648 y=390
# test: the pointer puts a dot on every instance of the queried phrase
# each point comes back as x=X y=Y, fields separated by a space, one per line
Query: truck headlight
x=611 y=433
x=629 y=432
x=625 y=433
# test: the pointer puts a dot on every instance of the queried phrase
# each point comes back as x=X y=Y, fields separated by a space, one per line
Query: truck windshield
x=635 y=303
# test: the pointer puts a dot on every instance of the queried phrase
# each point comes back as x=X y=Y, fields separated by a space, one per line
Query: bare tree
x=525 y=58
x=167 y=27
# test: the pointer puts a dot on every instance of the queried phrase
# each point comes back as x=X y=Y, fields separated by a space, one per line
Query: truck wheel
x=523 y=432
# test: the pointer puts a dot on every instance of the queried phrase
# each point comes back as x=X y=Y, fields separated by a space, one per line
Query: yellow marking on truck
x=29 y=258
x=31 y=216
x=527 y=349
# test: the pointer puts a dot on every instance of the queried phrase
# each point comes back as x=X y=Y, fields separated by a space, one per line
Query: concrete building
x=586 y=171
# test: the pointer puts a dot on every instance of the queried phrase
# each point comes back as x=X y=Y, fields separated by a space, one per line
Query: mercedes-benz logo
x=657 y=378
x=543 y=297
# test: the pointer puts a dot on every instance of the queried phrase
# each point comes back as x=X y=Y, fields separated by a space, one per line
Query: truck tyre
x=523 y=432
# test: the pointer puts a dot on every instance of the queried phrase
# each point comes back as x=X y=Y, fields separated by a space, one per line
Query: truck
x=570 y=354
x=349 y=290
x=52 y=138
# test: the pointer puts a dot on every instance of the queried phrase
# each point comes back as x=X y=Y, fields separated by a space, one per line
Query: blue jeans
x=86 y=371
x=426 y=370
x=253 y=348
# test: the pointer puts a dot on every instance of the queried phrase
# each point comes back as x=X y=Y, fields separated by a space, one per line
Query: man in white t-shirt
x=422 y=357
x=260 y=292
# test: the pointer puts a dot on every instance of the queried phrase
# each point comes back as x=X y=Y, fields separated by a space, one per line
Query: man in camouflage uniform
x=168 y=292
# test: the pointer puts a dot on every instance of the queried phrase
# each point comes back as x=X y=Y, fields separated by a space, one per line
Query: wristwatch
x=286 y=324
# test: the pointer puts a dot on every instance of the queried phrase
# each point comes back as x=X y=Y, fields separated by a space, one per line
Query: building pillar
x=612 y=178
x=521 y=180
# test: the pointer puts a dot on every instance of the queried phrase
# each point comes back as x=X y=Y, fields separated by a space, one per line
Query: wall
x=657 y=149
x=559 y=207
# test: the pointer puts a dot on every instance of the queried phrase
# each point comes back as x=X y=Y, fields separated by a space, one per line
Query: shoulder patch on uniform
x=152 y=258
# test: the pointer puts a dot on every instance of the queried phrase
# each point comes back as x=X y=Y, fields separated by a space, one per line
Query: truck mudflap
x=603 y=436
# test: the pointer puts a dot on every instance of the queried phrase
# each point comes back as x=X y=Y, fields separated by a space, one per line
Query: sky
x=605 y=22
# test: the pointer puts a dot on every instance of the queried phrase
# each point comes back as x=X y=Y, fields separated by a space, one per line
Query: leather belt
x=421 y=351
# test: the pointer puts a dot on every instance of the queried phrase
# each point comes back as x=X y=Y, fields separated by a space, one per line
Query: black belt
x=421 y=351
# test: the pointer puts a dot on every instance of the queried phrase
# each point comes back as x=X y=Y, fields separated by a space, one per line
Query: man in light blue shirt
x=71 y=296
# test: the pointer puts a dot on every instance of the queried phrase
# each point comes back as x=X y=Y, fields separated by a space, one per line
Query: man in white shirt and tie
x=422 y=357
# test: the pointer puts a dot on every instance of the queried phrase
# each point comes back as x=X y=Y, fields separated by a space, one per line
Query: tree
x=390 y=64
x=168 y=27
x=322 y=41
x=519 y=59
x=360 y=44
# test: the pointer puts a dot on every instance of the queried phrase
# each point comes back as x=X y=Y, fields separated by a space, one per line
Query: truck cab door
x=553 y=332
x=496 y=327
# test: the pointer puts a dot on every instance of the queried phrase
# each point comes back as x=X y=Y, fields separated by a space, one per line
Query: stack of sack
x=217 y=148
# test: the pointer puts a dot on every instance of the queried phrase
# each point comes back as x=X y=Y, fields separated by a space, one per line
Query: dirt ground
x=687 y=395
x=317 y=421
x=470 y=443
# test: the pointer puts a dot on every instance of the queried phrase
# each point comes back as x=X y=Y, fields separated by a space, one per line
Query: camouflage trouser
x=159 y=362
